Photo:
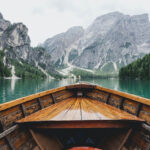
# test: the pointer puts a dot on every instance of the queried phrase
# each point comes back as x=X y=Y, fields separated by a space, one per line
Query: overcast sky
x=45 y=18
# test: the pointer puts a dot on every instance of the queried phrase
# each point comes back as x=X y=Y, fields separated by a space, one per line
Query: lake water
x=13 y=89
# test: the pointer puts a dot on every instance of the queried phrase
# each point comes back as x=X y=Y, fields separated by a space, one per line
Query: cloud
x=45 y=18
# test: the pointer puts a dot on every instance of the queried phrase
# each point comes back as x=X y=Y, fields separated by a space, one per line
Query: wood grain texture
x=126 y=95
x=28 y=98
x=79 y=109
x=78 y=124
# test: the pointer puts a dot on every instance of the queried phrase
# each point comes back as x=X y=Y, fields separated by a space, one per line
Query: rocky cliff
x=17 y=52
x=110 y=42
x=59 y=45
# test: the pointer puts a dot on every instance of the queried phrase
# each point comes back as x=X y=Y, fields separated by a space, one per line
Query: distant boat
x=76 y=117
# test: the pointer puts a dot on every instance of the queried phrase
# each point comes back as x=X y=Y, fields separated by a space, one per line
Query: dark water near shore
x=13 y=89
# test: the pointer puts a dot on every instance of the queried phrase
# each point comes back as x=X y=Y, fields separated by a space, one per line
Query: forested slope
x=137 y=69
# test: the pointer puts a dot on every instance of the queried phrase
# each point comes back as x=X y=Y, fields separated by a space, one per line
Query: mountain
x=17 y=57
x=110 y=42
x=58 y=46
x=137 y=69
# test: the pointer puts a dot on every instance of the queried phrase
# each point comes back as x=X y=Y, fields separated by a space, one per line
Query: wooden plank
x=81 y=85
x=59 y=112
x=34 y=96
x=46 y=142
x=130 y=106
x=81 y=124
x=3 y=145
x=111 y=112
x=74 y=112
x=63 y=115
x=33 y=107
x=49 y=112
x=126 y=95
x=21 y=140
x=64 y=97
x=71 y=110
x=139 y=140
x=124 y=139
x=36 y=140
x=8 y=119
x=28 y=98
x=146 y=127
x=102 y=109
x=114 y=100
x=116 y=141
x=8 y=131
x=98 y=95
x=11 y=147
x=88 y=112
x=47 y=103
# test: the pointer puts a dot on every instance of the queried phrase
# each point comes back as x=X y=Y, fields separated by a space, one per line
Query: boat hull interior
x=80 y=115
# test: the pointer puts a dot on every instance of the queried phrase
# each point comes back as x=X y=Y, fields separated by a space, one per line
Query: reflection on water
x=137 y=87
x=13 y=82
x=12 y=89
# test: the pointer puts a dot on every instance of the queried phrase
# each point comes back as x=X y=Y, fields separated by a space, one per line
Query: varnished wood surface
x=125 y=95
x=78 y=124
x=80 y=85
x=28 y=98
x=79 y=109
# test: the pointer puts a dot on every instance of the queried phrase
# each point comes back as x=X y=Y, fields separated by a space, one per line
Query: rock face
x=15 y=43
x=110 y=42
x=58 y=45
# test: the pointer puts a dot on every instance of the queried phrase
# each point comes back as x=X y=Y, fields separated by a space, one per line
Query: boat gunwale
x=129 y=96
x=25 y=99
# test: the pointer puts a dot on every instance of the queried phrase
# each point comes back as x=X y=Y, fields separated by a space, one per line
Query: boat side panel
x=17 y=140
x=30 y=107
x=145 y=113
x=46 y=101
x=98 y=95
x=114 y=100
x=139 y=139
x=11 y=115
x=3 y=144
x=130 y=106
x=126 y=95
x=62 y=95
x=134 y=107
x=28 y=98
x=13 y=111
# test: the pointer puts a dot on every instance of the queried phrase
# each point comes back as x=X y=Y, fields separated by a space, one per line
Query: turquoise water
x=13 y=89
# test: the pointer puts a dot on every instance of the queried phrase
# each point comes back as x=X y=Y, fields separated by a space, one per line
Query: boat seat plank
x=74 y=113
x=79 y=109
x=111 y=112
x=88 y=113
x=60 y=112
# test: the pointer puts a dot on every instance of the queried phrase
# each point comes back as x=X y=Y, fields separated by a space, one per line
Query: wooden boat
x=79 y=116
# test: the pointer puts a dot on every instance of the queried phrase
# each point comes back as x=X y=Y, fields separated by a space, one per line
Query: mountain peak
x=111 y=14
x=75 y=29
x=110 y=42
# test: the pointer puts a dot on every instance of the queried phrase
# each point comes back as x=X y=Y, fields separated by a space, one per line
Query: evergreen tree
x=137 y=69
